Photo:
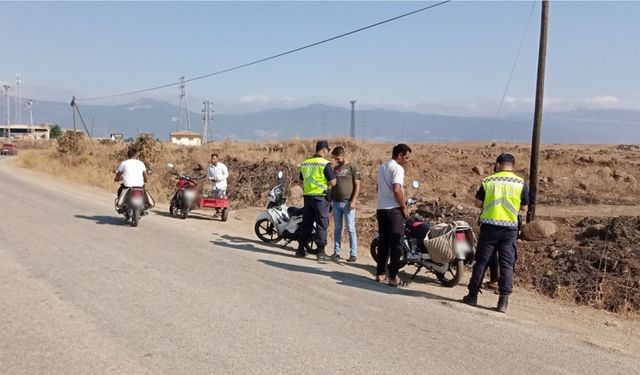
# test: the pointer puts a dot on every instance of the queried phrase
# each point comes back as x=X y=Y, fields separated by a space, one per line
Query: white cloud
x=252 y=99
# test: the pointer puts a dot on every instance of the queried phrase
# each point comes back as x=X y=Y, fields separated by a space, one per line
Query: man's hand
x=405 y=212
x=352 y=205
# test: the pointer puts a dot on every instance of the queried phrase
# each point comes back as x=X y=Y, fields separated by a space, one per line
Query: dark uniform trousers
x=316 y=209
x=494 y=239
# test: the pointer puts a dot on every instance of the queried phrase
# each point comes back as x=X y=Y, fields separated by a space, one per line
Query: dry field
x=598 y=267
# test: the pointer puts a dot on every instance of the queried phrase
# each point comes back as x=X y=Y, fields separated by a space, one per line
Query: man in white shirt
x=391 y=213
x=132 y=172
x=217 y=174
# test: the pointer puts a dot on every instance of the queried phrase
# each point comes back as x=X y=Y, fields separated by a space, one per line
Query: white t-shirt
x=219 y=172
x=132 y=170
x=389 y=173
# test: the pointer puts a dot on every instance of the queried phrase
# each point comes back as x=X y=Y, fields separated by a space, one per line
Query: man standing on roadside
x=501 y=196
x=317 y=177
x=391 y=213
x=217 y=173
x=344 y=200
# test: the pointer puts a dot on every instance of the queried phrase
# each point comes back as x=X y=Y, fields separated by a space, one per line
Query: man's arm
x=356 y=187
x=225 y=173
x=480 y=194
x=330 y=175
x=144 y=176
x=398 y=194
x=118 y=177
x=354 y=195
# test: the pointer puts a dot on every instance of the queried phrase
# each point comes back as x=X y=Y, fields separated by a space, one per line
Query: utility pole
x=353 y=119
x=18 y=100
x=29 y=106
x=8 y=118
x=183 y=111
x=205 y=120
x=537 y=118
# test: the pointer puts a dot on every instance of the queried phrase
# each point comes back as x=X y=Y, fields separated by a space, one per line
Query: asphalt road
x=80 y=292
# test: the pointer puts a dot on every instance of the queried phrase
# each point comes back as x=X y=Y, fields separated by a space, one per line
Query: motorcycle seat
x=294 y=211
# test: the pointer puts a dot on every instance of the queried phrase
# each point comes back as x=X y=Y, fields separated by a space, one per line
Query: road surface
x=80 y=292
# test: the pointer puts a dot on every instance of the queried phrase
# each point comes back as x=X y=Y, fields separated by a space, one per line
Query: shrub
x=71 y=142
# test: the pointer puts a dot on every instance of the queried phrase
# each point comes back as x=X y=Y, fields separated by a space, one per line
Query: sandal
x=397 y=282
x=381 y=278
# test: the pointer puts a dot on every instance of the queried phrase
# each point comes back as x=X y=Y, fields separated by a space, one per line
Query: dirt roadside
x=598 y=328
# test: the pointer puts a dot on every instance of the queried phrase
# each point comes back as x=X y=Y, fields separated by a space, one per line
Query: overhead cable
x=513 y=68
x=266 y=58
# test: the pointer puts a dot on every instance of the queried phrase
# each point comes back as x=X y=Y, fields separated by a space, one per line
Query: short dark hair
x=322 y=145
x=338 y=151
x=214 y=154
x=506 y=158
x=132 y=153
x=400 y=149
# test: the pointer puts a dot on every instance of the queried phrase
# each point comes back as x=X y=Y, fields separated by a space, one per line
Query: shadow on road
x=343 y=278
x=109 y=220
x=246 y=244
x=243 y=244
x=192 y=215
x=357 y=281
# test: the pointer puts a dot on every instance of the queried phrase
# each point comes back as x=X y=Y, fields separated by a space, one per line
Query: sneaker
x=301 y=253
x=470 y=299
x=352 y=259
x=335 y=257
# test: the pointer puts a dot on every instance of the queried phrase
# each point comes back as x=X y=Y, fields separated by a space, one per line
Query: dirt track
x=81 y=293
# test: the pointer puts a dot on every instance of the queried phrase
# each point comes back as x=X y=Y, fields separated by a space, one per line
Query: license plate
x=136 y=201
x=190 y=194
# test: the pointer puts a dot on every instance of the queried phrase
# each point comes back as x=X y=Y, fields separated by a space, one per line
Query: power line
x=266 y=58
x=513 y=68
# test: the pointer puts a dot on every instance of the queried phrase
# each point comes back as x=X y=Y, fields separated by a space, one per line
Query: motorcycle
x=187 y=195
x=133 y=204
x=416 y=253
x=279 y=222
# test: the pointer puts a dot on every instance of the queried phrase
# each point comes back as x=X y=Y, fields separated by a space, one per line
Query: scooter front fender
x=263 y=215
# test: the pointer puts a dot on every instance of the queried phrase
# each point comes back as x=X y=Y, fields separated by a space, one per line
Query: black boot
x=301 y=253
x=322 y=256
x=503 y=303
x=471 y=299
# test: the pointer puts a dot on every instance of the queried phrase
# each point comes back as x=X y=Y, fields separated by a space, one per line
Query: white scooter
x=280 y=222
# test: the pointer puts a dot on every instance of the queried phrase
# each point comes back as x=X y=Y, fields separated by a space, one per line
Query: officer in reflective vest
x=501 y=196
x=317 y=177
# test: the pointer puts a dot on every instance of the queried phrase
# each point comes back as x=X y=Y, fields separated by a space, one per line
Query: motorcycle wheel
x=135 y=217
x=310 y=247
x=454 y=275
x=172 y=208
x=184 y=213
x=225 y=214
x=373 y=249
x=266 y=231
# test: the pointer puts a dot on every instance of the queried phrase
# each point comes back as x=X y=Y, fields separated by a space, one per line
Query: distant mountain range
x=317 y=120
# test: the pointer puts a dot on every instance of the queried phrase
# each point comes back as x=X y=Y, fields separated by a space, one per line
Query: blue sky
x=453 y=59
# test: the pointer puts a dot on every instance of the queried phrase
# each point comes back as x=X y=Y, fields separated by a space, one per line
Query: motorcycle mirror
x=170 y=165
x=415 y=184
x=280 y=174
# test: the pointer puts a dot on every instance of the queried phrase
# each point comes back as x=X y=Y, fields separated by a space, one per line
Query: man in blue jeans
x=344 y=200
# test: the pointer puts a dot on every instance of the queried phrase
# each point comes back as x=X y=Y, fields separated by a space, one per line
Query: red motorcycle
x=188 y=197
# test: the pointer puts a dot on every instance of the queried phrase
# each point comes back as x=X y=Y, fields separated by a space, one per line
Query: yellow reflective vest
x=314 y=180
x=503 y=191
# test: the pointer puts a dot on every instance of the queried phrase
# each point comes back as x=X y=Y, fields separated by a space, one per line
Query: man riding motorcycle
x=133 y=173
